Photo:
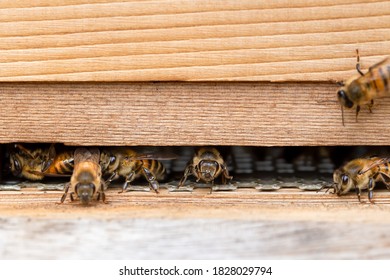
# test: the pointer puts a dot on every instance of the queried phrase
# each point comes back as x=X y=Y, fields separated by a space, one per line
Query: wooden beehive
x=180 y=73
x=102 y=61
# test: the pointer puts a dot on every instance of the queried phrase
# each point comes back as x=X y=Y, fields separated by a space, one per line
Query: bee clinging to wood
x=206 y=165
x=360 y=174
x=86 y=181
x=129 y=164
x=28 y=162
x=362 y=90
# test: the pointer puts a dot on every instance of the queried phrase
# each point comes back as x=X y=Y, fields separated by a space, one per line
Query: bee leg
x=358 y=63
x=212 y=185
x=370 y=189
x=65 y=193
x=71 y=197
x=371 y=105
x=385 y=179
x=187 y=172
x=357 y=112
x=101 y=192
x=225 y=174
x=113 y=177
x=104 y=198
x=151 y=179
x=358 y=193
x=103 y=195
x=128 y=180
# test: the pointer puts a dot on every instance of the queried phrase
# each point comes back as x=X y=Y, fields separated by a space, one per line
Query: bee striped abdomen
x=380 y=78
x=63 y=164
x=384 y=168
x=156 y=167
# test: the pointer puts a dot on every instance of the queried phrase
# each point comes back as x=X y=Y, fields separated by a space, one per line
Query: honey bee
x=362 y=90
x=86 y=180
x=29 y=162
x=360 y=174
x=131 y=165
x=206 y=165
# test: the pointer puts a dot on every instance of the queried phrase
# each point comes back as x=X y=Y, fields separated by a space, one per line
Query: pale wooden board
x=245 y=224
x=186 y=40
x=166 y=114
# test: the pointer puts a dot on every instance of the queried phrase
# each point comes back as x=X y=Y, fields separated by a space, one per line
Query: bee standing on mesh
x=360 y=174
x=86 y=181
x=206 y=165
x=129 y=164
x=362 y=90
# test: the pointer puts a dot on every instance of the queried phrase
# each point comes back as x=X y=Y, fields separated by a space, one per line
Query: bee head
x=342 y=182
x=344 y=99
x=16 y=165
x=207 y=170
x=85 y=192
x=24 y=165
x=108 y=162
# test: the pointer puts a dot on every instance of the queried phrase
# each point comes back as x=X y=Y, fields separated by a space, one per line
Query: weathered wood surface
x=245 y=224
x=165 y=114
x=303 y=40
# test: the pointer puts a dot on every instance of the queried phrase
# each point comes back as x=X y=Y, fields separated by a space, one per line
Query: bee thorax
x=85 y=177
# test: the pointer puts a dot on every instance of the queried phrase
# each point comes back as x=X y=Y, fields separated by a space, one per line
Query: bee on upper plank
x=362 y=90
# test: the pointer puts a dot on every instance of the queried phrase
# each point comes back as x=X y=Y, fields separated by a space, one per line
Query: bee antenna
x=322 y=187
x=328 y=187
x=24 y=150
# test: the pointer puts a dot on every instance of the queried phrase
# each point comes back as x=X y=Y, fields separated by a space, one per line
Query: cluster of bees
x=88 y=166
x=91 y=170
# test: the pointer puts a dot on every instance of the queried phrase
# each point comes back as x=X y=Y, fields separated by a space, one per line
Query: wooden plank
x=286 y=224
x=179 y=40
x=166 y=114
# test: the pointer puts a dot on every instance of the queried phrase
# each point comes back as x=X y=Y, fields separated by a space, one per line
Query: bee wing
x=156 y=156
x=50 y=158
x=24 y=150
x=374 y=164
x=84 y=154
x=384 y=61
x=95 y=155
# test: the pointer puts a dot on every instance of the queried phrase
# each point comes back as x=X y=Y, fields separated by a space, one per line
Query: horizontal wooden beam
x=78 y=40
x=256 y=225
x=169 y=113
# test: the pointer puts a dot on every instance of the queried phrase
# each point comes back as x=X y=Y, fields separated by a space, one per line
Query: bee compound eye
x=112 y=159
x=341 y=93
x=17 y=165
x=345 y=179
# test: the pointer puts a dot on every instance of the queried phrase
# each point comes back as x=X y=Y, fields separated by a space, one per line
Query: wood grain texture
x=245 y=224
x=171 y=113
x=178 y=40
